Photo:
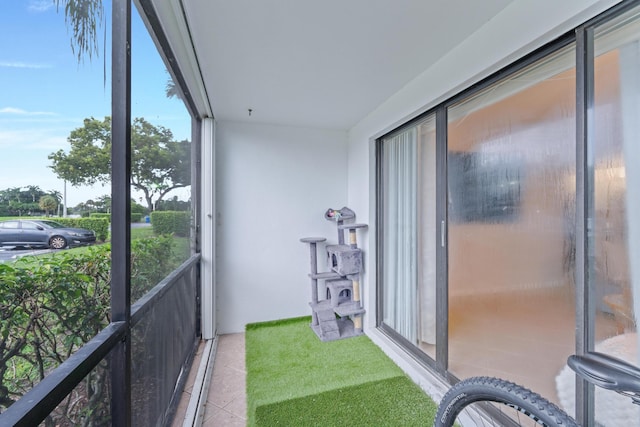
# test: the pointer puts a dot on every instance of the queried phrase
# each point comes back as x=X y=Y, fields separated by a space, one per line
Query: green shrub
x=136 y=217
x=50 y=306
x=106 y=216
x=99 y=225
x=171 y=222
x=151 y=260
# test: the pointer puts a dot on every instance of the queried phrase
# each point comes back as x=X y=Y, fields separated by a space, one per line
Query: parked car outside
x=43 y=233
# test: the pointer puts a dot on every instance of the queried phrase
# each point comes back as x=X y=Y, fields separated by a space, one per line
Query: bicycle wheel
x=486 y=401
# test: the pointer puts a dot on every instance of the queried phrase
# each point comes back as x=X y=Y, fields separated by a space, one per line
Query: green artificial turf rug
x=294 y=379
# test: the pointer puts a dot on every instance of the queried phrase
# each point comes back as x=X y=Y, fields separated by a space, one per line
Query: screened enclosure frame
x=583 y=38
x=114 y=341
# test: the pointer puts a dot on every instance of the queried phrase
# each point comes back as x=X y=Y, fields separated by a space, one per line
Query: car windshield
x=51 y=224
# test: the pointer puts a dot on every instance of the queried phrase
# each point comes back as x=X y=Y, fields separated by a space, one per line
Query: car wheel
x=57 y=242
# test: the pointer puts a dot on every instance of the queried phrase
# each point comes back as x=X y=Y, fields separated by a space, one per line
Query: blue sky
x=45 y=93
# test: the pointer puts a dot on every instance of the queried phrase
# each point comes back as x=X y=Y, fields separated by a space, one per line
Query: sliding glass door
x=511 y=213
x=408 y=160
x=615 y=191
x=505 y=230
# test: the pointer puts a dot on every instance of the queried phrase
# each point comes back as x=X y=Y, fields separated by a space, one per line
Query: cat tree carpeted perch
x=337 y=313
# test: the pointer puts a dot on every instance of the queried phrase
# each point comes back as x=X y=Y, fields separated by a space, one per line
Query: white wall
x=273 y=186
x=520 y=28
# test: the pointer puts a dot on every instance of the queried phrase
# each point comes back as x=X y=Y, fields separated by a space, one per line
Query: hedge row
x=171 y=222
x=99 y=225
x=103 y=215
x=135 y=216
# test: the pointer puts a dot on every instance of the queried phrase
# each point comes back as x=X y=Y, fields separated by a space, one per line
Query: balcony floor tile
x=226 y=404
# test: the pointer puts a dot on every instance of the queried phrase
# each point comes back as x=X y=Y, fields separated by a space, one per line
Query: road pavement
x=8 y=255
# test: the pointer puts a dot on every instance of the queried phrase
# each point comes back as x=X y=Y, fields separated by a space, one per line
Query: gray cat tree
x=337 y=313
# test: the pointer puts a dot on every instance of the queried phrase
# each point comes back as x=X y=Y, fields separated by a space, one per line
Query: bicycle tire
x=517 y=399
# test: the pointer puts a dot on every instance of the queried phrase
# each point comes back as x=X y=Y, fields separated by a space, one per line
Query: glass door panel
x=511 y=234
x=409 y=229
x=615 y=195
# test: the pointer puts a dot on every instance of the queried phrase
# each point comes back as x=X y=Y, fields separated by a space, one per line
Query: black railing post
x=121 y=212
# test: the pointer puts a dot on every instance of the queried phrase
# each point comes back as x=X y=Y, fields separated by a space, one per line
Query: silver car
x=43 y=233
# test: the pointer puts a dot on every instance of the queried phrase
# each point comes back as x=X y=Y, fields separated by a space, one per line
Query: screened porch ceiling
x=320 y=64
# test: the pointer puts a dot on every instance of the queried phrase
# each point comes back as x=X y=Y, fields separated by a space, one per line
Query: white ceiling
x=323 y=64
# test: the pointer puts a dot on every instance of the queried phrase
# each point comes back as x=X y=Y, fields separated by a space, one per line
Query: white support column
x=208 y=230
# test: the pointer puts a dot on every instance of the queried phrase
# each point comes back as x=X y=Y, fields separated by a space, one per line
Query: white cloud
x=20 y=64
x=40 y=5
x=21 y=112
x=34 y=139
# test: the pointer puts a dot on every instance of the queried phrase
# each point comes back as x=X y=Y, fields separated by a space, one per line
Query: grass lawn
x=141 y=232
x=294 y=379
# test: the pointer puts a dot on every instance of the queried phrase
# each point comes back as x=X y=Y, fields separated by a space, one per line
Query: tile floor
x=227 y=401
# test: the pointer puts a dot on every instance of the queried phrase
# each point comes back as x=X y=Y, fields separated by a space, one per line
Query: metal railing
x=163 y=332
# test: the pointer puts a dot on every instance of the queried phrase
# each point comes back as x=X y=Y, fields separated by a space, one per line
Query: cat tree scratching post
x=339 y=313
x=313 y=255
x=355 y=279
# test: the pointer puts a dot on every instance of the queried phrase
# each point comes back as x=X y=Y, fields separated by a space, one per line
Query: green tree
x=159 y=163
x=56 y=195
x=83 y=19
x=173 y=204
x=34 y=191
x=21 y=200
x=172 y=90
x=48 y=204
x=103 y=204
x=15 y=194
